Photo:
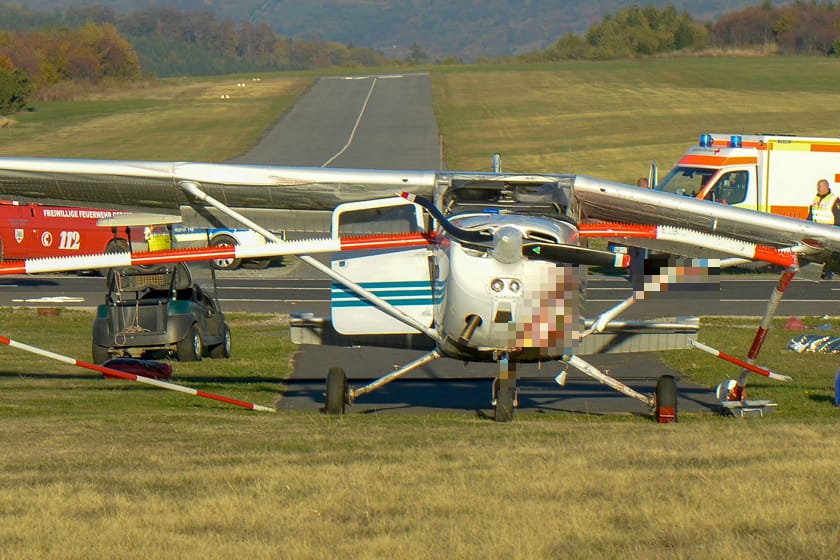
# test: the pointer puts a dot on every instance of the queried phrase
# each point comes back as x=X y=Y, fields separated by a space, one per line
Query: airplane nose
x=507 y=245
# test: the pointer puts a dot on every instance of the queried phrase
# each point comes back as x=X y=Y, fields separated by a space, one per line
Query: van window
x=731 y=188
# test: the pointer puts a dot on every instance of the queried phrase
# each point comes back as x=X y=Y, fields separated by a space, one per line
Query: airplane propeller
x=572 y=254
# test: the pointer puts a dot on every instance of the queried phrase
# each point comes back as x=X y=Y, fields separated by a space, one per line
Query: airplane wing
x=155 y=185
x=161 y=186
x=615 y=202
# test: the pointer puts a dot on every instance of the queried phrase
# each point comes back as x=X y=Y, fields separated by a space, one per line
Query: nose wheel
x=504 y=399
x=504 y=390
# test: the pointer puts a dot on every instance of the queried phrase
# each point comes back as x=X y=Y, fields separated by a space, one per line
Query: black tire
x=190 y=348
x=665 y=408
x=336 y=396
x=505 y=395
x=224 y=264
x=117 y=246
x=222 y=350
x=256 y=264
x=100 y=354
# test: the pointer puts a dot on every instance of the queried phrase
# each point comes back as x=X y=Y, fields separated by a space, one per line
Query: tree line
x=94 y=44
x=801 y=28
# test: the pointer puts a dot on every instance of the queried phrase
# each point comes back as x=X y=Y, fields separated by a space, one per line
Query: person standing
x=825 y=208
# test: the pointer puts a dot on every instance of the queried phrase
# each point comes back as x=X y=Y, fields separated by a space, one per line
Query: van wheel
x=256 y=264
x=224 y=264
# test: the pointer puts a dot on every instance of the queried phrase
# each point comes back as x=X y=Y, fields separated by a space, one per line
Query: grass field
x=93 y=467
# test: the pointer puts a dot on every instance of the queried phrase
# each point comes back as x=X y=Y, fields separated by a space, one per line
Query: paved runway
x=375 y=122
x=449 y=385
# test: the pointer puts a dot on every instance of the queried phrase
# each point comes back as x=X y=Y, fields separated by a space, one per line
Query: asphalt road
x=374 y=122
x=300 y=289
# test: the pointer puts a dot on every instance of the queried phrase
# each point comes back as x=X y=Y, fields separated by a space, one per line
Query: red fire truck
x=36 y=230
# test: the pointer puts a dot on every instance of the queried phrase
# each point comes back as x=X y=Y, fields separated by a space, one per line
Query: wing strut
x=191 y=188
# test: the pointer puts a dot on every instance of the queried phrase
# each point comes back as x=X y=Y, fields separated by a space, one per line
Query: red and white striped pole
x=132 y=377
x=739 y=362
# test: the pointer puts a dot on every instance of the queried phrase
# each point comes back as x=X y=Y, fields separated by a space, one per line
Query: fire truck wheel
x=117 y=246
x=224 y=264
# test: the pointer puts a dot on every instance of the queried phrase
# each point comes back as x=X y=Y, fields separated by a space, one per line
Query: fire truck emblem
x=19 y=235
x=46 y=239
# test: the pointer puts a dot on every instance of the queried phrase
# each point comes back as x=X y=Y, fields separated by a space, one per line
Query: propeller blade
x=572 y=254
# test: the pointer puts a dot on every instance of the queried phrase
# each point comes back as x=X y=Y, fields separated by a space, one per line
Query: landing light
x=515 y=286
x=497 y=285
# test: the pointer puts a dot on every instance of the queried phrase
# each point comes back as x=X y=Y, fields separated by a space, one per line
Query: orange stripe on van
x=825 y=147
x=800 y=212
x=757 y=144
x=717 y=161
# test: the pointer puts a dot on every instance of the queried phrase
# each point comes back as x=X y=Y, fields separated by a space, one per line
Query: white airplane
x=491 y=267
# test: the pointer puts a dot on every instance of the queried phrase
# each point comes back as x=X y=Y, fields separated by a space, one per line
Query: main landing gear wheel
x=336 y=396
x=665 y=408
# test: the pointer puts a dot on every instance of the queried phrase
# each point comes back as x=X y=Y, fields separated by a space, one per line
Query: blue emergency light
x=706 y=140
x=735 y=141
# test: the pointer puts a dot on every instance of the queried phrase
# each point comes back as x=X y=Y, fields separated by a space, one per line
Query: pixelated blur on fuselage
x=528 y=308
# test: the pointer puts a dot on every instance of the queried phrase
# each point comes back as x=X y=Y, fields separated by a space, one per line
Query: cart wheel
x=222 y=350
x=190 y=349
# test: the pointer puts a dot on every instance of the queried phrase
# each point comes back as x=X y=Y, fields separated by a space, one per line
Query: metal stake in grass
x=133 y=377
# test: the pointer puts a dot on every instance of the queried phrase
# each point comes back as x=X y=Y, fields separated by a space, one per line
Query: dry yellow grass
x=94 y=468
x=215 y=484
x=610 y=119
x=171 y=121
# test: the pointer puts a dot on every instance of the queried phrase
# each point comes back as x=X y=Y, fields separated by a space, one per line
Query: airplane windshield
x=686 y=181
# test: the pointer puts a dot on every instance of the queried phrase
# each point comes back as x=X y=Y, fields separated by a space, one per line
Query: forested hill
x=468 y=30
